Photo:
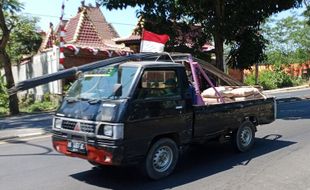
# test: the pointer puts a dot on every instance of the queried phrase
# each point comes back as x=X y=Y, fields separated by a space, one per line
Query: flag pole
x=141 y=44
x=61 y=36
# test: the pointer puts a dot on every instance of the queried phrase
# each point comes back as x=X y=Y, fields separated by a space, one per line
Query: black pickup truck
x=143 y=113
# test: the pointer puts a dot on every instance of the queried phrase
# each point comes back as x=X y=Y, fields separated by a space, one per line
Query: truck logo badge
x=77 y=127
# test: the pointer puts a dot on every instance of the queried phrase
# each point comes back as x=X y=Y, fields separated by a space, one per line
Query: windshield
x=99 y=83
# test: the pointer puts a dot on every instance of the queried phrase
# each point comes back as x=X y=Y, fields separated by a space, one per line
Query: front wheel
x=161 y=159
x=243 y=138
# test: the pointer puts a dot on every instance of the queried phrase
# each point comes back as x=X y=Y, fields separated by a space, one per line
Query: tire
x=243 y=138
x=161 y=159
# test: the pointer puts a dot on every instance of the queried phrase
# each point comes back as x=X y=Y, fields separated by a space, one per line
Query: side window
x=159 y=83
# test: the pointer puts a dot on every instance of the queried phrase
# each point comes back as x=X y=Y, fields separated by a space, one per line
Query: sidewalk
x=286 y=89
x=290 y=94
x=25 y=125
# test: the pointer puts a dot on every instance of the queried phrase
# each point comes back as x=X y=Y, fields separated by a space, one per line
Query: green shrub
x=40 y=106
x=4 y=111
x=271 y=79
x=299 y=81
x=283 y=80
x=67 y=87
x=27 y=104
x=250 y=80
x=268 y=80
x=47 y=97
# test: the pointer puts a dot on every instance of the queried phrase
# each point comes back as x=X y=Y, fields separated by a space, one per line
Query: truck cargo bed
x=211 y=120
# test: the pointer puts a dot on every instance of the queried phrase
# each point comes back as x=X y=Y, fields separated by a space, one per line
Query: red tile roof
x=71 y=28
x=128 y=39
x=48 y=40
x=104 y=29
x=87 y=33
x=89 y=29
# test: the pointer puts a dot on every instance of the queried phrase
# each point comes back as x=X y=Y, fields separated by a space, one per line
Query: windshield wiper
x=90 y=101
x=71 y=99
x=83 y=99
x=75 y=99
x=94 y=101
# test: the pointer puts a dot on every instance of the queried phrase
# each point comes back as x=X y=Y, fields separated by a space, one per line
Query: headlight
x=108 y=130
x=111 y=131
x=108 y=111
x=57 y=123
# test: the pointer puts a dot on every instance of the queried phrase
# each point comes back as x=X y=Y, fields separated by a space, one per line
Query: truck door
x=158 y=107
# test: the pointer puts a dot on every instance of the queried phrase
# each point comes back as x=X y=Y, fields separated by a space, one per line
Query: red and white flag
x=207 y=47
x=152 y=42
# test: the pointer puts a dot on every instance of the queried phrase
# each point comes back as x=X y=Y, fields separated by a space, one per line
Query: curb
x=27 y=135
x=286 y=89
x=21 y=114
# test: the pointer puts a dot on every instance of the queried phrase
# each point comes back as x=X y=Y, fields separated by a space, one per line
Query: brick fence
x=296 y=70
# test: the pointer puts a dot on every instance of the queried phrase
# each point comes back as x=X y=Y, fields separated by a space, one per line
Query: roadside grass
x=30 y=106
x=4 y=111
x=39 y=107
x=27 y=104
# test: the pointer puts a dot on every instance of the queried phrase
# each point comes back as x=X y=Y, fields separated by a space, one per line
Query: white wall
x=40 y=64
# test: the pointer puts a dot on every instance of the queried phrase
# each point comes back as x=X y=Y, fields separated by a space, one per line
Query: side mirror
x=117 y=90
x=78 y=74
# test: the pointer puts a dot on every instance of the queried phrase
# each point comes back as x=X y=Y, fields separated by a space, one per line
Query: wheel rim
x=162 y=158
x=246 y=136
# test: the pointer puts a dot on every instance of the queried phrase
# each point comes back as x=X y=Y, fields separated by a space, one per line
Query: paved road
x=279 y=160
x=301 y=93
x=23 y=125
x=37 y=124
x=40 y=120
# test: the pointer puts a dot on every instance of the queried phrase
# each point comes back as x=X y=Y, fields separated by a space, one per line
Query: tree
x=18 y=37
x=8 y=8
x=307 y=11
x=233 y=22
x=24 y=39
x=289 y=40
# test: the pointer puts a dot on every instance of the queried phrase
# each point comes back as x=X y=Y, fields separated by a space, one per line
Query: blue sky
x=49 y=11
x=294 y=11
x=123 y=20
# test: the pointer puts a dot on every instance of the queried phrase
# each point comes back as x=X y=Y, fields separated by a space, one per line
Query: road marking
x=25 y=139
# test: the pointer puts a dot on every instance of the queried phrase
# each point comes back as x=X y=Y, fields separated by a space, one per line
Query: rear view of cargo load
x=231 y=94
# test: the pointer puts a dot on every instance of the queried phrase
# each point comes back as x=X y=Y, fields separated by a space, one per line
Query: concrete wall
x=39 y=65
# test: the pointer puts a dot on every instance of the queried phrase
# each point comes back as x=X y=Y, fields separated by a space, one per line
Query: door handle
x=178 y=107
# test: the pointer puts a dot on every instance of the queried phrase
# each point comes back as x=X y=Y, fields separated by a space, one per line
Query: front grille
x=84 y=127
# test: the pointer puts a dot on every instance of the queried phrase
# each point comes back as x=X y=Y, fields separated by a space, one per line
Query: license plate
x=77 y=146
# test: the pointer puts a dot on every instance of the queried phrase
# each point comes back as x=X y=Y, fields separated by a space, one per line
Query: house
x=133 y=42
x=88 y=38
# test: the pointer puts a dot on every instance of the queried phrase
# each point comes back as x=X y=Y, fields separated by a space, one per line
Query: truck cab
x=111 y=115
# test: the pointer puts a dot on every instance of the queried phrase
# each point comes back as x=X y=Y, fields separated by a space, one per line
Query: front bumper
x=96 y=151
